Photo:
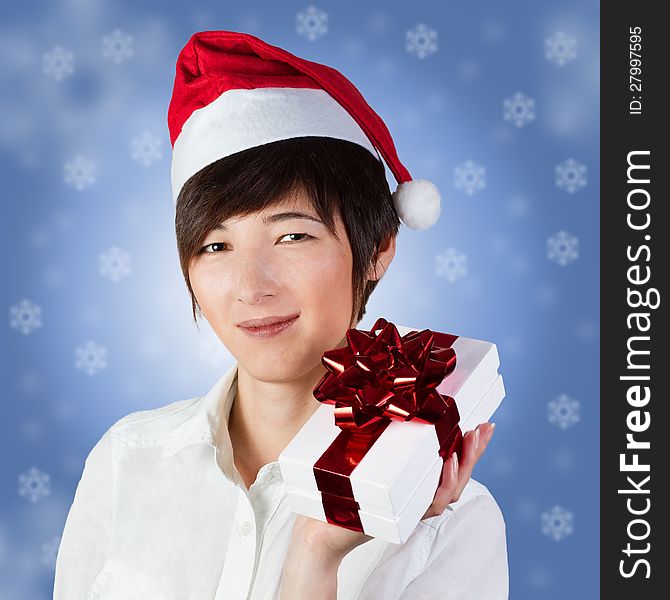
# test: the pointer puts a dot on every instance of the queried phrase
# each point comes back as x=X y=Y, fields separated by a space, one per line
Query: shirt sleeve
x=88 y=526
x=468 y=556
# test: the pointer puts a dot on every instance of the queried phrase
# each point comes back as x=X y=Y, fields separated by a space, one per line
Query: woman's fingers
x=446 y=489
x=474 y=444
x=455 y=473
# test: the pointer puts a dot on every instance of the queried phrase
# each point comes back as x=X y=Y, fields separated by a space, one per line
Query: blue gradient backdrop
x=442 y=110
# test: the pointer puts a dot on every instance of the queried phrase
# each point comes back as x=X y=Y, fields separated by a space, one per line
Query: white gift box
x=395 y=481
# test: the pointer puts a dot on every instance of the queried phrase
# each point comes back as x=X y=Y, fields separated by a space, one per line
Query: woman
x=283 y=214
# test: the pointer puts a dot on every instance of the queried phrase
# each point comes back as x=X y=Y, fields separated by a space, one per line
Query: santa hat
x=233 y=91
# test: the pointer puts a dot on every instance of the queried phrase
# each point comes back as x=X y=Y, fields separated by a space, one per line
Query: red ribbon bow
x=386 y=376
x=372 y=380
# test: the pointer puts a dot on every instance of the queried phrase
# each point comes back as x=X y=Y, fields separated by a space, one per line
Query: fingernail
x=491 y=430
x=454 y=464
x=477 y=439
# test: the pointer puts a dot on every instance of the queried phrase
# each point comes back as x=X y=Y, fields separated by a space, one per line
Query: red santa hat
x=233 y=91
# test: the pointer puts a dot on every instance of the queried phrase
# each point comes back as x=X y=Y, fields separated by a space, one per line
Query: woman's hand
x=317 y=548
x=455 y=476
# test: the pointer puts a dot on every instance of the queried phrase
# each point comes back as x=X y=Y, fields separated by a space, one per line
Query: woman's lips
x=269 y=330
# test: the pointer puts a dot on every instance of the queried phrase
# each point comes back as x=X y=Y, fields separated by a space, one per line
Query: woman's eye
x=221 y=245
x=204 y=249
x=303 y=234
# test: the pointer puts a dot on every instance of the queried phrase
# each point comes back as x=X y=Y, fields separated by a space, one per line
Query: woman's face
x=288 y=265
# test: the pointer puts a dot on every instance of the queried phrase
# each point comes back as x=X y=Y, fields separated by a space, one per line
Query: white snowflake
x=519 y=109
x=50 y=551
x=146 y=148
x=34 y=485
x=470 y=177
x=451 y=264
x=421 y=41
x=557 y=523
x=114 y=264
x=570 y=175
x=312 y=23
x=563 y=411
x=117 y=46
x=25 y=316
x=58 y=63
x=80 y=172
x=562 y=248
x=90 y=357
x=560 y=48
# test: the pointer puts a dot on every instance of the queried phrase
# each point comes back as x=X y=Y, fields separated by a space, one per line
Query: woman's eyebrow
x=276 y=218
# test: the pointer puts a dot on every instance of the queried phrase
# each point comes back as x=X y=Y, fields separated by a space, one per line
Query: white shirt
x=161 y=513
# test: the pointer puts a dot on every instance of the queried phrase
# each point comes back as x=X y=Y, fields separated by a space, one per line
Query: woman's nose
x=256 y=278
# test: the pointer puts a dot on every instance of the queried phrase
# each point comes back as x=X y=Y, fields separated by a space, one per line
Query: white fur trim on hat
x=241 y=119
x=417 y=203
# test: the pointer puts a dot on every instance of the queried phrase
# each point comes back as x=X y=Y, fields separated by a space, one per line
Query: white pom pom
x=417 y=203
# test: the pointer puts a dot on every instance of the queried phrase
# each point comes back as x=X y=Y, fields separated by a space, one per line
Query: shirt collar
x=207 y=423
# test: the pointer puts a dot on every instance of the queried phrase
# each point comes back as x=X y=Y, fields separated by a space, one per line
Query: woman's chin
x=271 y=368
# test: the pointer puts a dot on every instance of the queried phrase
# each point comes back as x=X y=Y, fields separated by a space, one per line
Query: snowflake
x=519 y=109
x=560 y=48
x=114 y=264
x=562 y=248
x=451 y=264
x=117 y=46
x=34 y=485
x=90 y=357
x=421 y=41
x=557 y=523
x=26 y=316
x=563 y=411
x=50 y=552
x=312 y=23
x=570 y=175
x=80 y=172
x=470 y=177
x=146 y=148
x=58 y=63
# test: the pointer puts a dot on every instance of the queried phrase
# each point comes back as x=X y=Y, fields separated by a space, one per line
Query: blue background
x=442 y=110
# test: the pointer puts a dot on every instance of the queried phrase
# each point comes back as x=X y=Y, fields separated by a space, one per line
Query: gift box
x=394 y=406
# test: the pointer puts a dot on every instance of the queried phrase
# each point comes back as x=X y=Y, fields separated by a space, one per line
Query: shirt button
x=245 y=528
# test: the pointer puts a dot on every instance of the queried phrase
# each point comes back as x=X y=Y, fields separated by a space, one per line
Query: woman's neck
x=266 y=416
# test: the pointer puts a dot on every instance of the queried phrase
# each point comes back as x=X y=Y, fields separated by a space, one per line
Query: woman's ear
x=384 y=258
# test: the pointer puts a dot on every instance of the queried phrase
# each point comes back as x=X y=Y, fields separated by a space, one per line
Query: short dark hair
x=340 y=177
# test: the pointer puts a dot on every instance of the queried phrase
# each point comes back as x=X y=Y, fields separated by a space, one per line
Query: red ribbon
x=375 y=378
